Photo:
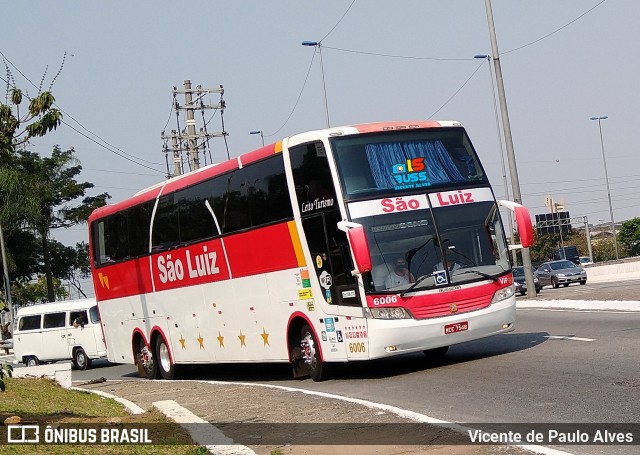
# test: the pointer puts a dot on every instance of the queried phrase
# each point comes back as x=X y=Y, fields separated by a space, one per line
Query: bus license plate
x=457 y=327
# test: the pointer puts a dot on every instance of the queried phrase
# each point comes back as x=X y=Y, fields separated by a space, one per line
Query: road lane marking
x=568 y=310
x=568 y=337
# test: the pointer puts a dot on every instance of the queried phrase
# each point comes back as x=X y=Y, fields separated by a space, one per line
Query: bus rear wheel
x=146 y=360
x=168 y=369
x=311 y=354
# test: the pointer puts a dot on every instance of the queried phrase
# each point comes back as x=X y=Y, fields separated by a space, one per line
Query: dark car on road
x=520 y=282
x=562 y=272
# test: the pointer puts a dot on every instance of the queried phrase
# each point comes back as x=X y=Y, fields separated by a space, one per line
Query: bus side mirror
x=523 y=221
x=359 y=245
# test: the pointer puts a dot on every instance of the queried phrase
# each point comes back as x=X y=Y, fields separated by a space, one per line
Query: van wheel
x=311 y=355
x=80 y=360
x=32 y=361
x=147 y=361
x=166 y=367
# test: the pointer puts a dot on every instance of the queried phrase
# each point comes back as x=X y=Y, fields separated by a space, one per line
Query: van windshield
x=94 y=314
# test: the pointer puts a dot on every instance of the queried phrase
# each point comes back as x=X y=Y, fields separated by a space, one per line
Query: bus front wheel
x=311 y=354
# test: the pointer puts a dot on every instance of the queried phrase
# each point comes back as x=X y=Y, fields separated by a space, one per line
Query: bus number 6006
x=356 y=347
x=385 y=300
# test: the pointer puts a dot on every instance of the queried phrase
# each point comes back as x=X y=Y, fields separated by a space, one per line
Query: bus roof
x=212 y=170
x=54 y=307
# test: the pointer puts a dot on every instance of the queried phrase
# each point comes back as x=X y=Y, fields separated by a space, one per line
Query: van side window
x=94 y=315
x=74 y=315
x=29 y=322
x=53 y=320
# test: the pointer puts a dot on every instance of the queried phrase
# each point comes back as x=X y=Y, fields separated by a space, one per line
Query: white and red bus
x=289 y=254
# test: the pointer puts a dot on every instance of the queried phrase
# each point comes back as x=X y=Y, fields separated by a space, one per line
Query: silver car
x=562 y=272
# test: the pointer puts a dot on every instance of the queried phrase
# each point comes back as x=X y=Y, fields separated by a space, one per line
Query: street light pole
x=324 y=87
x=504 y=171
x=260 y=133
x=511 y=157
x=7 y=283
x=606 y=176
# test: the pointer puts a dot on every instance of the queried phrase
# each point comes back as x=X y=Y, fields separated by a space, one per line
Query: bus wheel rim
x=310 y=351
x=165 y=359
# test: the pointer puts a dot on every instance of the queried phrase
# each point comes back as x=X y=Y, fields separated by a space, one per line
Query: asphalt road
x=567 y=366
x=620 y=290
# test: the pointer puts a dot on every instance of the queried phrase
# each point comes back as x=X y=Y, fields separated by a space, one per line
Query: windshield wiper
x=482 y=274
x=418 y=281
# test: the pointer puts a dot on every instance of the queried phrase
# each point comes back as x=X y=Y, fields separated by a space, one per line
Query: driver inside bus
x=400 y=275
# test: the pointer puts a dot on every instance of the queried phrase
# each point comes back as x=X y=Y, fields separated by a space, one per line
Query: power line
x=337 y=23
x=555 y=31
x=122 y=152
x=110 y=150
x=408 y=57
x=117 y=172
x=297 y=100
x=457 y=91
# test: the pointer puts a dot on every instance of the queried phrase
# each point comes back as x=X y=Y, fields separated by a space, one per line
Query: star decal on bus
x=265 y=337
x=182 y=341
x=220 y=340
x=201 y=341
x=242 y=337
x=104 y=280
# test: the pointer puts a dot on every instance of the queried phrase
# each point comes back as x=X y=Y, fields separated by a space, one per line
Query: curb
x=130 y=405
x=183 y=417
x=404 y=413
x=203 y=433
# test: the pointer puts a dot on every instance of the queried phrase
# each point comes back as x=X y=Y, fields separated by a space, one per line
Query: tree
x=629 y=236
x=71 y=264
x=17 y=129
x=30 y=292
x=544 y=246
x=55 y=185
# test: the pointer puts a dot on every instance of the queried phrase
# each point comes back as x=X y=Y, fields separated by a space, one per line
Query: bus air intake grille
x=434 y=310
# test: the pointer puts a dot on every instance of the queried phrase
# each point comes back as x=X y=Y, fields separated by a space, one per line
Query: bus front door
x=331 y=261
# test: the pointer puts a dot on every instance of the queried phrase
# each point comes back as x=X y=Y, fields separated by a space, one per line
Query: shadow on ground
x=379 y=368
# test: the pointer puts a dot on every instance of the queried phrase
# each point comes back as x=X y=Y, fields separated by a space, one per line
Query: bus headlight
x=387 y=313
x=503 y=294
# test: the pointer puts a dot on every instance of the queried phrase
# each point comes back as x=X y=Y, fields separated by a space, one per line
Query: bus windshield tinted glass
x=405 y=248
x=410 y=159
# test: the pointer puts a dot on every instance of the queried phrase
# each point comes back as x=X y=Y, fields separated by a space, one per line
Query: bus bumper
x=391 y=337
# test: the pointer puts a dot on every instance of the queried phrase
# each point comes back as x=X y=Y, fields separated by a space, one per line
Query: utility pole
x=513 y=170
x=188 y=138
x=194 y=159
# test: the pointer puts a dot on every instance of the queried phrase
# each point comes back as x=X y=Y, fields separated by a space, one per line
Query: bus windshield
x=470 y=237
x=405 y=160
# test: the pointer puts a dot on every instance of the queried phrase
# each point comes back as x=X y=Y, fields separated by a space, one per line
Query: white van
x=59 y=331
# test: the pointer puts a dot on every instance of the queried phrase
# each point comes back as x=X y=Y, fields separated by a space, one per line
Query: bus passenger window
x=165 y=224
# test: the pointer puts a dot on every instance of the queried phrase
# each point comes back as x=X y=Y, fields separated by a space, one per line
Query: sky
x=406 y=60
